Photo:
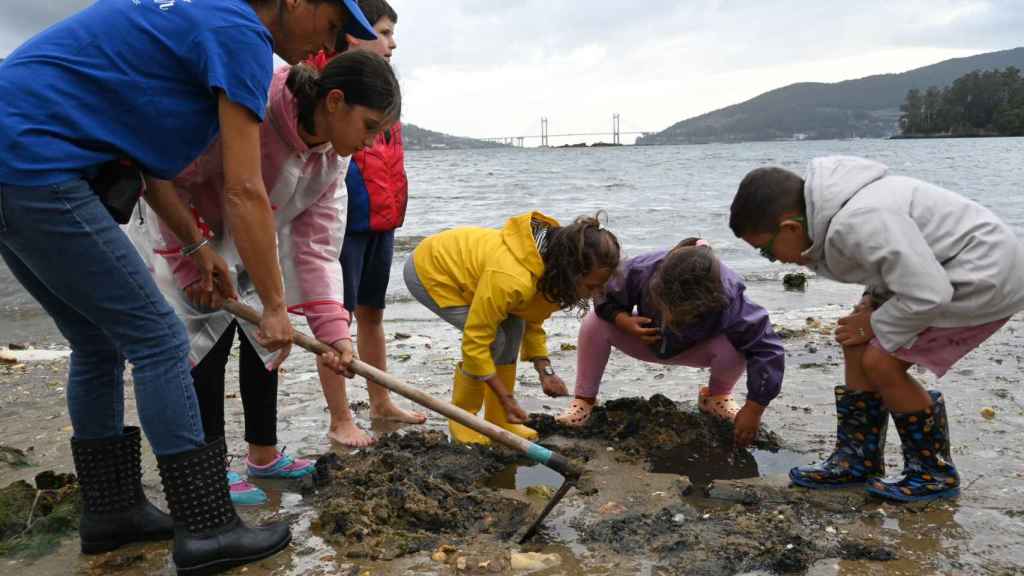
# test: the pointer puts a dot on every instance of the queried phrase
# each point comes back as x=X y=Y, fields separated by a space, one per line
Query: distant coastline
x=940 y=136
x=416 y=138
x=869 y=107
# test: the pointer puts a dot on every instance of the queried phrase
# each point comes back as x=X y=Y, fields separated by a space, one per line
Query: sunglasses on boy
x=766 y=250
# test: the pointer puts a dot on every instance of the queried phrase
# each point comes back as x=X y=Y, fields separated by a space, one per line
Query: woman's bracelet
x=193 y=248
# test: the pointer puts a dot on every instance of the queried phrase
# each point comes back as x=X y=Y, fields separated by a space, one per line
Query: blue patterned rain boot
x=928 y=470
x=861 y=423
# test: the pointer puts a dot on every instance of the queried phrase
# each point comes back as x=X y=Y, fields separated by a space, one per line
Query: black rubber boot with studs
x=209 y=537
x=115 y=511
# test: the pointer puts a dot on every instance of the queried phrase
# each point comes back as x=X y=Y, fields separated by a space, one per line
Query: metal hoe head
x=562 y=491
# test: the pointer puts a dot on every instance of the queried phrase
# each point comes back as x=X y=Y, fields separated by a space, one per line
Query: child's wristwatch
x=547 y=370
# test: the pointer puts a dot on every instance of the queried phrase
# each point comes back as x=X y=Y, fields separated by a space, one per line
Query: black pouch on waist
x=119 y=184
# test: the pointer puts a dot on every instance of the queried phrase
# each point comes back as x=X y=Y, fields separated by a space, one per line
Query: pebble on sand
x=442 y=553
x=530 y=561
x=612 y=508
x=26 y=355
x=540 y=491
x=988 y=413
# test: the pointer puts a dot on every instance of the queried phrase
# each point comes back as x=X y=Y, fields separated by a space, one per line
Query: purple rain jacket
x=743 y=322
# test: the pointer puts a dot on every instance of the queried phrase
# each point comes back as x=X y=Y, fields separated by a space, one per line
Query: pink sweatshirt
x=307 y=193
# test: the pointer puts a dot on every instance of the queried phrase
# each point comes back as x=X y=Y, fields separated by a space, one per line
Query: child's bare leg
x=900 y=392
x=373 y=350
x=853 y=362
x=343 y=428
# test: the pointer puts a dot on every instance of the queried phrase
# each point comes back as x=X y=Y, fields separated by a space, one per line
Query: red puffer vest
x=378 y=189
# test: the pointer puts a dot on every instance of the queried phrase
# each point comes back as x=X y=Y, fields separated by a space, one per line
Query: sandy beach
x=977 y=534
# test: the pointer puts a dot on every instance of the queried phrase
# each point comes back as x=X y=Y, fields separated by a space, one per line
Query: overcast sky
x=494 y=67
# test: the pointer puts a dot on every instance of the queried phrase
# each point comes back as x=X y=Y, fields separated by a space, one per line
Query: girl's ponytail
x=304 y=84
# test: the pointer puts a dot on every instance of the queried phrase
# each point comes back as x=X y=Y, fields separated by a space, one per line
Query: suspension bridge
x=616 y=134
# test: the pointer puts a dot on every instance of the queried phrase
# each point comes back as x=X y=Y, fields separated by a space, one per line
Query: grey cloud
x=469 y=33
x=729 y=33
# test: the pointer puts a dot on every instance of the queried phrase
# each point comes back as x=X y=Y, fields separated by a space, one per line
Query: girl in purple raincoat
x=690 y=310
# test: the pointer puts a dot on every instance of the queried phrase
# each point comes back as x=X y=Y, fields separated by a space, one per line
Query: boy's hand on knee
x=747 y=422
x=855 y=329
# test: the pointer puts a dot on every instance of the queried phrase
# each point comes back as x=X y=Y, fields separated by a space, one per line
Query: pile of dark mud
x=654 y=428
x=417 y=491
x=785 y=539
x=34 y=518
x=407 y=492
x=722 y=526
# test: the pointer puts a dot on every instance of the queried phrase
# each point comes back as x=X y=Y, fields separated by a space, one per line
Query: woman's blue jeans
x=67 y=251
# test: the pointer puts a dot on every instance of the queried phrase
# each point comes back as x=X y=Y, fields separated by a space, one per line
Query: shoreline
x=947 y=136
x=976 y=532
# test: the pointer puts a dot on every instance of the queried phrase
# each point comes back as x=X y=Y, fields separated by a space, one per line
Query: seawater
x=652 y=197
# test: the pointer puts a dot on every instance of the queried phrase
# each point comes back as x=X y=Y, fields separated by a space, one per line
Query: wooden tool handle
x=535 y=452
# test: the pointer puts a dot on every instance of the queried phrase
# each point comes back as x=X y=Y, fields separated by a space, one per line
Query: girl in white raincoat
x=314 y=122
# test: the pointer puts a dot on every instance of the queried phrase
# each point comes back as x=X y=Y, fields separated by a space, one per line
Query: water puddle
x=702 y=467
x=522 y=476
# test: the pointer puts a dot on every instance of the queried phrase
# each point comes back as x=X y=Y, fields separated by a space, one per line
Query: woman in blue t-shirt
x=153 y=81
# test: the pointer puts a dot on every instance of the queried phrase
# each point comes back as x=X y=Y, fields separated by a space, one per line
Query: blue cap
x=358 y=26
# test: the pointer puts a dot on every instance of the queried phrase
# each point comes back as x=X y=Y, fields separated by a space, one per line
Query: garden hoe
x=567 y=468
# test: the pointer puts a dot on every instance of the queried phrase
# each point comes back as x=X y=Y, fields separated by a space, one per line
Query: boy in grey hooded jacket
x=941 y=275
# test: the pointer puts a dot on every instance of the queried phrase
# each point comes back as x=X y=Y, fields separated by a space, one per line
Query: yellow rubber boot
x=494 y=412
x=467 y=394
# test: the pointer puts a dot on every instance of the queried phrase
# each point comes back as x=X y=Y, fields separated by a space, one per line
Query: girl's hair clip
x=702 y=242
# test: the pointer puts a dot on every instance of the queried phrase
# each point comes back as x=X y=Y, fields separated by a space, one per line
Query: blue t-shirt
x=128 y=78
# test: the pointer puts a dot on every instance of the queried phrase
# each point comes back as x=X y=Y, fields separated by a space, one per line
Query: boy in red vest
x=377 y=194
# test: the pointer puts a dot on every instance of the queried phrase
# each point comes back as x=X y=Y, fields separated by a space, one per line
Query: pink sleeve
x=184 y=268
x=328 y=320
x=317 y=234
x=194 y=181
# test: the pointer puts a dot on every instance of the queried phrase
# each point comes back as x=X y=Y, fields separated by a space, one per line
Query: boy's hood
x=518 y=236
x=830 y=183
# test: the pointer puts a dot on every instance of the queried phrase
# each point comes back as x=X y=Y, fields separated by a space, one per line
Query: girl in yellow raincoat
x=498 y=287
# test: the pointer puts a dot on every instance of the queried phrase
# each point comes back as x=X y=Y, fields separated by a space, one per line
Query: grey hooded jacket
x=937 y=258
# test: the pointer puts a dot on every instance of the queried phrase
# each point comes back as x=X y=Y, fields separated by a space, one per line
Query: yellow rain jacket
x=495 y=273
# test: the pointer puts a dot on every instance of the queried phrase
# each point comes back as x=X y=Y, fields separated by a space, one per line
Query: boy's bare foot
x=395 y=413
x=348 y=434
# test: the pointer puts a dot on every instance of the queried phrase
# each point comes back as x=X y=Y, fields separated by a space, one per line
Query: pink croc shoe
x=720 y=406
x=576 y=414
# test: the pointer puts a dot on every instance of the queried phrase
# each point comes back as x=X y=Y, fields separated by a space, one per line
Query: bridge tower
x=544 y=132
x=616 y=129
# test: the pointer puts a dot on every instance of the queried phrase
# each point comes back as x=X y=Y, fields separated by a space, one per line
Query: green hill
x=863 y=108
x=416 y=138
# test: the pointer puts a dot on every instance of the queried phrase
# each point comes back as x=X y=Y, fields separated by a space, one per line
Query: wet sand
x=633 y=513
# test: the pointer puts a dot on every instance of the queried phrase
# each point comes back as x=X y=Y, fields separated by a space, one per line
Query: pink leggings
x=595 y=346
